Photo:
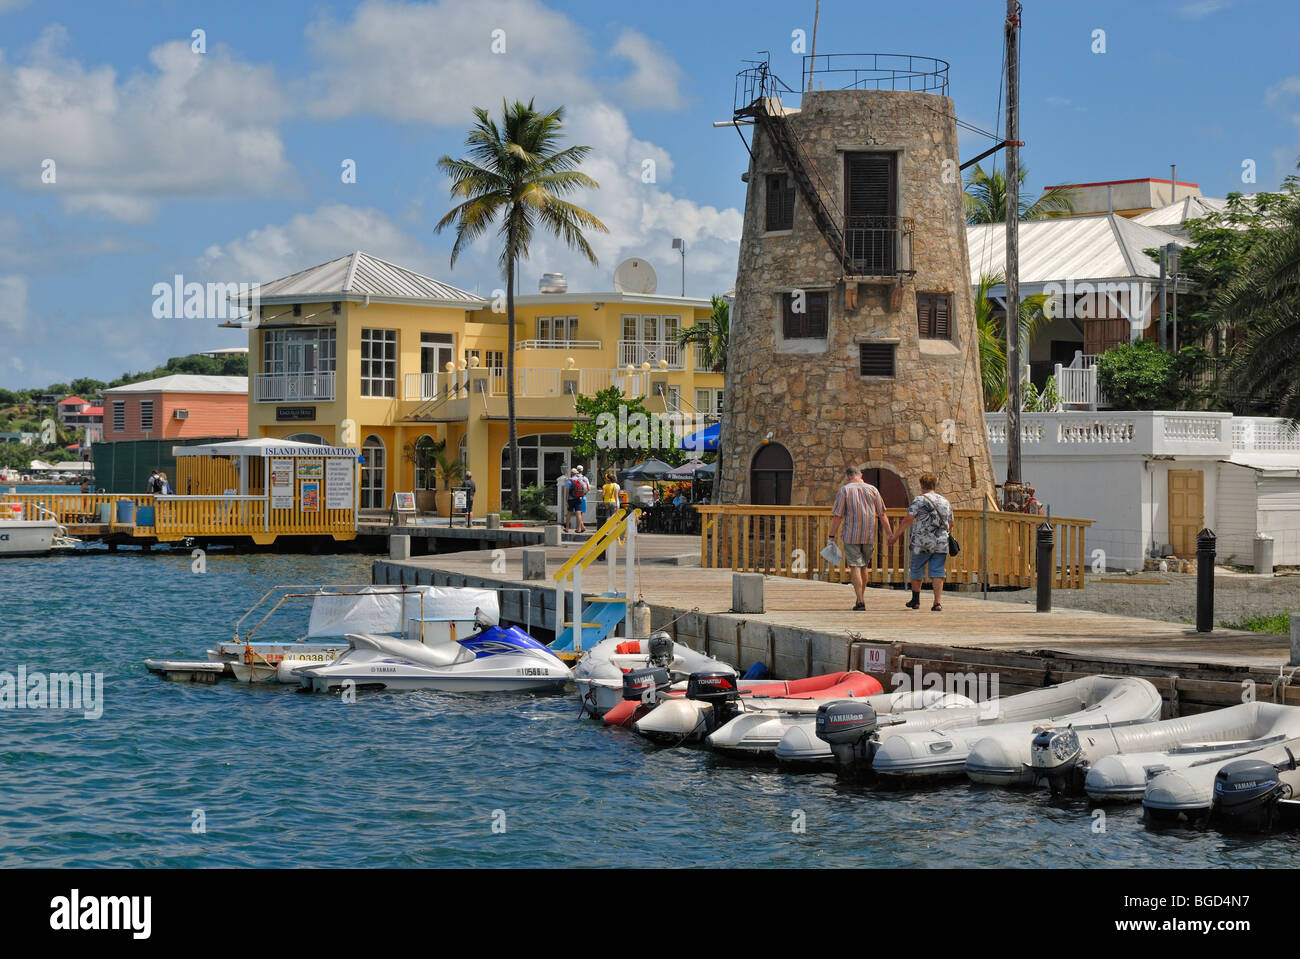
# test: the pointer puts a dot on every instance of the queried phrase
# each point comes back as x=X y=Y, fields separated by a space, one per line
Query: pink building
x=181 y=406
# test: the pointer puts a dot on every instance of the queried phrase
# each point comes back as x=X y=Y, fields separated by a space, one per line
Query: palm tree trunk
x=510 y=387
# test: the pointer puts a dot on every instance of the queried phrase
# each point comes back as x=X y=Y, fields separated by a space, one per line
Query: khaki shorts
x=858 y=554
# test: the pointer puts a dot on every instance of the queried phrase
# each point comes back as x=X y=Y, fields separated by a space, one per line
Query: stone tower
x=853 y=335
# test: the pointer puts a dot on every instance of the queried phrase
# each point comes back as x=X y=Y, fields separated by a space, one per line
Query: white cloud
x=655 y=78
x=307 y=239
x=409 y=63
x=13 y=303
x=9 y=6
x=193 y=124
x=1203 y=8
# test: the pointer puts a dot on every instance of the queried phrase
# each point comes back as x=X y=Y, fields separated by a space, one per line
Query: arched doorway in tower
x=771 y=474
x=890 y=484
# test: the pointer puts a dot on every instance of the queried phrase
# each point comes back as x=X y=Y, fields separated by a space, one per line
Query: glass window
x=378 y=362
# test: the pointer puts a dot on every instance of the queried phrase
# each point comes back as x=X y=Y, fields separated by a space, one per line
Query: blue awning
x=705 y=439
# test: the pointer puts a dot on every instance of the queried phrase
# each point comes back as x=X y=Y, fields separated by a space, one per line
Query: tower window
x=804 y=314
x=876 y=359
x=934 y=315
x=780 y=202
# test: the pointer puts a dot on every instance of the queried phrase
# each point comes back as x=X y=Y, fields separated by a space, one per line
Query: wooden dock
x=808 y=627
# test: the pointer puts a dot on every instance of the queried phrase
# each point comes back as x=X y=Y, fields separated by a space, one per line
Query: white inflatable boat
x=930 y=748
x=769 y=729
x=599 y=672
x=1251 y=791
x=1110 y=763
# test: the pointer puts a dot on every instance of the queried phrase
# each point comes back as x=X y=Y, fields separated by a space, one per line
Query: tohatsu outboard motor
x=717 y=689
x=644 y=685
x=1056 y=756
x=660 y=646
x=1247 y=792
x=846 y=725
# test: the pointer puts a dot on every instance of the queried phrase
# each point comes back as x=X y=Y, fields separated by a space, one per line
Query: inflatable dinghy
x=1252 y=791
x=1112 y=763
x=599 y=672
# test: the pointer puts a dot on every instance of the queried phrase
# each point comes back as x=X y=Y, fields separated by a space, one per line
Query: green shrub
x=1140 y=376
x=535 y=501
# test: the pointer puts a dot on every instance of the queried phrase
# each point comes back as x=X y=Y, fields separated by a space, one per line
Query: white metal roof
x=186 y=383
x=1276 y=464
x=1105 y=247
x=359 y=275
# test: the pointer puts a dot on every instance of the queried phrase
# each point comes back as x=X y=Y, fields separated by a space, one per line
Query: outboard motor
x=661 y=649
x=643 y=685
x=847 y=725
x=1055 y=755
x=1246 y=793
x=718 y=689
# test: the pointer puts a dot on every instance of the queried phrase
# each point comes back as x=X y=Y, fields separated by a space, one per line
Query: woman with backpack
x=931 y=514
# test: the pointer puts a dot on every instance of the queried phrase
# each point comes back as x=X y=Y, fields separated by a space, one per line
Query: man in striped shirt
x=857 y=507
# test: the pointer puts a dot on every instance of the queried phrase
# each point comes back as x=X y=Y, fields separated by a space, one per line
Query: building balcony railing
x=1145 y=433
x=878 y=245
x=424 y=387
x=292 y=387
x=553 y=344
x=636 y=352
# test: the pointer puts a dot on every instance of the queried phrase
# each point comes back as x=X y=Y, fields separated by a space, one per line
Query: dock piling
x=1205 y=543
x=1044 y=570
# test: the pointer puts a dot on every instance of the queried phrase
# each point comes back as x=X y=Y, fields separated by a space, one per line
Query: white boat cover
x=383 y=609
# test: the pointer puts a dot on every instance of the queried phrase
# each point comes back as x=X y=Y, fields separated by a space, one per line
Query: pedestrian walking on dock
x=858 y=507
x=152 y=485
x=470 y=490
x=609 y=498
x=572 y=497
x=932 y=516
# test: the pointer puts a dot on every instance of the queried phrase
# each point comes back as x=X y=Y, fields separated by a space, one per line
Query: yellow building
x=355 y=352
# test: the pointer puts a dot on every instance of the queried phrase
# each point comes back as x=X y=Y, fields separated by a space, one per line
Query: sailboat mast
x=1013 y=241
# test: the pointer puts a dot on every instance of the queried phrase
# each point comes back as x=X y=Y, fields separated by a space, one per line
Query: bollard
x=399 y=547
x=747 y=592
x=493 y=520
x=1043 y=569
x=1295 y=640
x=1263 y=554
x=1205 y=541
x=553 y=535
x=534 y=563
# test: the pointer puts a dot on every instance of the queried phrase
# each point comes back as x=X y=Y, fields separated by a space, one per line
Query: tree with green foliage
x=985 y=198
x=990 y=328
x=710 y=337
x=1139 y=376
x=517 y=171
x=604 y=412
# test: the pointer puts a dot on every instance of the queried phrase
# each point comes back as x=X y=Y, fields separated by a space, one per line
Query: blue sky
x=225 y=165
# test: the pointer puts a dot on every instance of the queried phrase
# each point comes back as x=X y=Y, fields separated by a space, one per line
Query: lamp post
x=680 y=245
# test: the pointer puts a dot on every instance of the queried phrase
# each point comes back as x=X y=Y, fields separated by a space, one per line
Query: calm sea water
x=280 y=778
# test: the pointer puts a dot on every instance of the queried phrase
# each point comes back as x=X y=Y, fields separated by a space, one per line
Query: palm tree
x=990 y=328
x=1264 y=300
x=518 y=171
x=710 y=338
x=985 y=198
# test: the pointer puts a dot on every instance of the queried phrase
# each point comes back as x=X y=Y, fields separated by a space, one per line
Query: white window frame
x=379 y=347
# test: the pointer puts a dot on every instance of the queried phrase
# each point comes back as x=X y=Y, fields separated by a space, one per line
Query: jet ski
x=936 y=743
x=1110 y=763
x=495 y=659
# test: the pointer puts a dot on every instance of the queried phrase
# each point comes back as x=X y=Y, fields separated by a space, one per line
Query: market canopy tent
x=687 y=469
x=651 y=469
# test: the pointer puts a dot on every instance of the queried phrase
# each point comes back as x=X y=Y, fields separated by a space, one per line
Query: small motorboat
x=599 y=673
x=933 y=744
x=1252 y=791
x=712 y=699
x=432 y=612
x=1111 y=763
x=495 y=659
x=39 y=536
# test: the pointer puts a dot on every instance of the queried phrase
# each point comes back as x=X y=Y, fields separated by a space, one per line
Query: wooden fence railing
x=787 y=541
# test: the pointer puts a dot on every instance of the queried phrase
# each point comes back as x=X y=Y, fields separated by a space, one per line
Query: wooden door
x=1186 y=510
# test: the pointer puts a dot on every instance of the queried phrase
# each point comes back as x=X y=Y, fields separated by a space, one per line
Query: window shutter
x=942 y=323
x=924 y=314
x=870 y=184
x=816 y=316
x=779 y=200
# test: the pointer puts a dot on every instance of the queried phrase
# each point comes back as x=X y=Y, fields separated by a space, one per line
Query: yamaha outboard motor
x=1056 y=756
x=1246 y=793
x=719 y=690
x=846 y=725
x=661 y=649
x=643 y=685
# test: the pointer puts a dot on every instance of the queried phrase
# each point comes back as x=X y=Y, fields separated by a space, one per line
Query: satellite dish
x=635 y=276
